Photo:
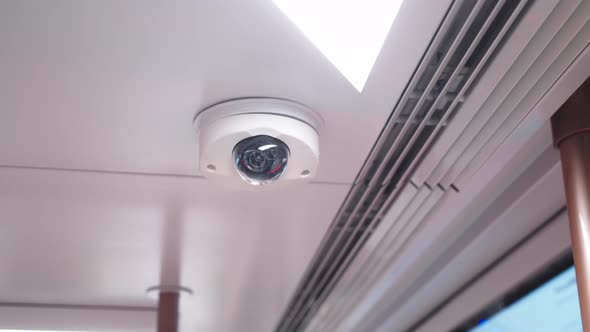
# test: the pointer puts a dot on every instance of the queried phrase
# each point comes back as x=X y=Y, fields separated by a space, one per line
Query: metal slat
x=439 y=71
x=406 y=233
x=312 y=269
x=369 y=265
x=372 y=272
x=515 y=45
x=441 y=96
x=334 y=282
x=509 y=120
x=470 y=80
x=446 y=24
x=312 y=286
x=409 y=228
x=406 y=195
x=517 y=70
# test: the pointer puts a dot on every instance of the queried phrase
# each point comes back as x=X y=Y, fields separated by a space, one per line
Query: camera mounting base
x=222 y=126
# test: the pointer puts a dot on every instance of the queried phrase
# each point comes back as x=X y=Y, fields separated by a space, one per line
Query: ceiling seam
x=162 y=175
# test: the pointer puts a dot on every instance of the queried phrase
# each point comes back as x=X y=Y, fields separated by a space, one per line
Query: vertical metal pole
x=168 y=312
x=571 y=134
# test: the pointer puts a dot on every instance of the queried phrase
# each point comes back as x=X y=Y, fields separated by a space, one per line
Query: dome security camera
x=259 y=141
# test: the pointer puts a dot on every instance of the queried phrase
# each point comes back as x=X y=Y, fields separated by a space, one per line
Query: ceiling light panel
x=349 y=33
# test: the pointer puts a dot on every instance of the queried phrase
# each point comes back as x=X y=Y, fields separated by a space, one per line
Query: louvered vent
x=467 y=38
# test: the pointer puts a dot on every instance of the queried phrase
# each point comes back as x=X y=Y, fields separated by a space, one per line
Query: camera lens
x=261 y=159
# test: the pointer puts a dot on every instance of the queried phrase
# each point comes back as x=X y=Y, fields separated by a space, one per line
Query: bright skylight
x=350 y=33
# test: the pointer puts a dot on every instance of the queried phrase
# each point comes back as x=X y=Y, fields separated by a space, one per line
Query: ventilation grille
x=465 y=41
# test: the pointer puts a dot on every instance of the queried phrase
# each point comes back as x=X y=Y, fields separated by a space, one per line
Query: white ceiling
x=102 y=239
x=99 y=192
x=114 y=85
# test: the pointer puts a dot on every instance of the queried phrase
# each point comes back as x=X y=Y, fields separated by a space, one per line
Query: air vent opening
x=503 y=17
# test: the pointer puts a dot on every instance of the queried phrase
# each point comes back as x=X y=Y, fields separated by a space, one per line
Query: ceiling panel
x=114 y=85
x=88 y=238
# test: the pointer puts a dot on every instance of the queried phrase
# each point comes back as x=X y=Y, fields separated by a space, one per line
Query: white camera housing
x=221 y=127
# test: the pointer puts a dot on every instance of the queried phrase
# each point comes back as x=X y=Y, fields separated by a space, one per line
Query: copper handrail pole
x=168 y=312
x=571 y=134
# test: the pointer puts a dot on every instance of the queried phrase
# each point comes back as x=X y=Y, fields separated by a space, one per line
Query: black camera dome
x=261 y=159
